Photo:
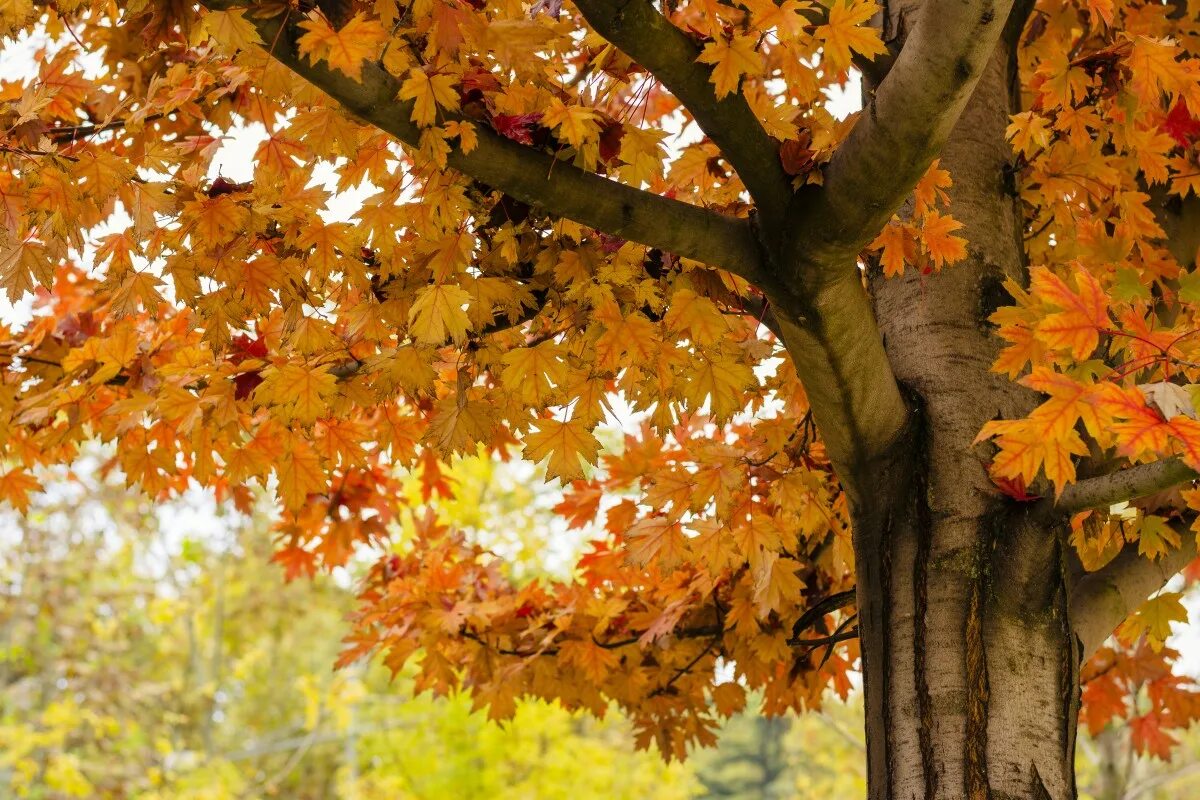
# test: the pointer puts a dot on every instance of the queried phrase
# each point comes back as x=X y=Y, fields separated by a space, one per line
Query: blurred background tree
x=153 y=651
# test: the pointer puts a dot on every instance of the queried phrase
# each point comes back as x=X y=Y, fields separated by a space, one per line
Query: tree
x=917 y=363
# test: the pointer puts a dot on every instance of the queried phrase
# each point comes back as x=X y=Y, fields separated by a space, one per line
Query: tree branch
x=1125 y=484
x=1101 y=600
x=832 y=333
x=902 y=129
x=527 y=174
x=651 y=40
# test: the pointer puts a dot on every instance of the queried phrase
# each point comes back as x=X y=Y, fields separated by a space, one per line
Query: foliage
x=142 y=661
x=232 y=334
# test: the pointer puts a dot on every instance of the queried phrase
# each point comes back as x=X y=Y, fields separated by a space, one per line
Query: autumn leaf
x=16 y=486
x=232 y=29
x=298 y=391
x=897 y=246
x=439 y=313
x=576 y=125
x=940 y=243
x=845 y=33
x=300 y=474
x=361 y=39
x=657 y=540
x=1149 y=738
x=1084 y=313
x=428 y=93
x=1154 y=619
x=731 y=59
x=563 y=445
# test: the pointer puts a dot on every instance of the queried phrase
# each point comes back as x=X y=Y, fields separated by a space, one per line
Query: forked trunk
x=971 y=670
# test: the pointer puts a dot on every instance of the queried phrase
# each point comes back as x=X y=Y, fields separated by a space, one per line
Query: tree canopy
x=572 y=210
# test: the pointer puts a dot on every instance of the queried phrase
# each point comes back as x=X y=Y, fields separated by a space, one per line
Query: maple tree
x=914 y=389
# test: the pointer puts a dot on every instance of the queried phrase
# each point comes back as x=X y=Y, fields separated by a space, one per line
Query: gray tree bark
x=972 y=668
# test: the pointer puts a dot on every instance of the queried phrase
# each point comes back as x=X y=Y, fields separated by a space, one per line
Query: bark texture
x=972 y=669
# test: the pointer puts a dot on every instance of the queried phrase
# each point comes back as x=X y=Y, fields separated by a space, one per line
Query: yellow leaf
x=300 y=474
x=468 y=138
x=427 y=93
x=298 y=392
x=359 y=40
x=564 y=444
x=731 y=59
x=1029 y=132
x=721 y=380
x=1156 y=537
x=576 y=124
x=657 y=540
x=936 y=234
x=15 y=486
x=699 y=316
x=438 y=313
x=21 y=264
x=137 y=288
x=845 y=32
x=534 y=373
x=1154 y=619
x=231 y=29
x=896 y=245
x=776 y=584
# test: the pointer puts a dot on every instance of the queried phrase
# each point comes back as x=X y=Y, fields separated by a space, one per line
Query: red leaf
x=1149 y=737
x=1180 y=125
x=517 y=127
x=795 y=155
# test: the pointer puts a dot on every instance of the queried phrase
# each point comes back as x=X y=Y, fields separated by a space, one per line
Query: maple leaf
x=535 y=372
x=564 y=444
x=298 y=391
x=697 y=315
x=1029 y=132
x=776 y=583
x=732 y=58
x=1077 y=327
x=1103 y=701
x=940 y=243
x=577 y=125
x=1155 y=536
x=16 y=486
x=657 y=540
x=361 y=39
x=1180 y=125
x=439 y=313
x=594 y=661
x=300 y=474
x=1138 y=428
x=1149 y=737
x=1154 y=619
x=845 y=33
x=428 y=93
x=232 y=29
x=897 y=246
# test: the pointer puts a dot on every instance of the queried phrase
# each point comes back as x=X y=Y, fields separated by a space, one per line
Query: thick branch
x=1103 y=599
x=650 y=39
x=835 y=341
x=902 y=129
x=835 y=344
x=530 y=175
x=1125 y=484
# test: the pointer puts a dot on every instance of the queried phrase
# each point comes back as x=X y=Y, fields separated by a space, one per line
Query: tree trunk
x=971 y=670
